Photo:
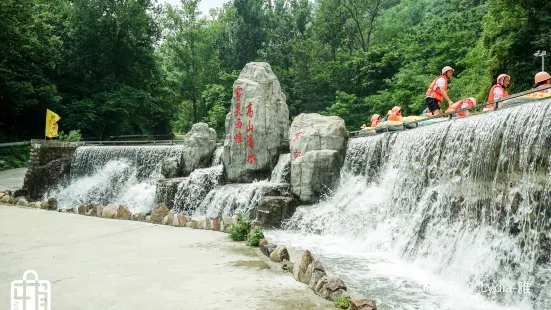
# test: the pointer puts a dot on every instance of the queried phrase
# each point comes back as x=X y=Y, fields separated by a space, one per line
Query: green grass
x=14 y=157
x=342 y=302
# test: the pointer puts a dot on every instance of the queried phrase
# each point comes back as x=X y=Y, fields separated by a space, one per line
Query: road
x=96 y=263
x=12 y=179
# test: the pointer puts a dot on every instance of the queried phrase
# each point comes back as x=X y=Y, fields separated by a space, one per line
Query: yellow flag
x=51 y=124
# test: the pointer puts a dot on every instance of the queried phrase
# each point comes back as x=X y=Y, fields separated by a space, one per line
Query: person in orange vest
x=498 y=91
x=542 y=79
x=396 y=114
x=438 y=91
x=375 y=120
x=463 y=104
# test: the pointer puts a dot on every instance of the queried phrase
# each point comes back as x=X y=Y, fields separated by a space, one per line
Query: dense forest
x=114 y=67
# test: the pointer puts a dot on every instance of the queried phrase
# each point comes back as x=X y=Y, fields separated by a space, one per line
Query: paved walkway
x=95 y=263
x=12 y=179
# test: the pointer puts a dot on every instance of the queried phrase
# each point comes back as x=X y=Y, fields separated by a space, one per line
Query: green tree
x=29 y=56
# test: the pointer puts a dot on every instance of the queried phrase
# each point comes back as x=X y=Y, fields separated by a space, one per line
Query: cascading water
x=454 y=215
x=193 y=189
x=114 y=174
x=217 y=157
x=282 y=171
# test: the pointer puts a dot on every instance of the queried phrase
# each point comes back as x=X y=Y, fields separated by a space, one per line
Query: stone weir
x=264 y=169
x=468 y=201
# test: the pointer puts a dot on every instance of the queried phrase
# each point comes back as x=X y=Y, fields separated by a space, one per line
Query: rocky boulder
x=166 y=189
x=41 y=178
x=314 y=174
x=268 y=249
x=279 y=254
x=363 y=304
x=318 y=148
x=22 y=202
x=198 y=148
x=158 y=213
x=114 y=211
x=318 y=272
x=273 y=210
x=257 y=125
x=329 y=288
x=5 y=199
x=110 y=211
x=299 y=271
x=170 y=168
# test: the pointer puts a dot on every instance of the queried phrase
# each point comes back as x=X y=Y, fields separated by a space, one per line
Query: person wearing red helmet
x=438 y=91
x=396 y=114
x=498 y=91
x=375 y=120
x=463 y=104
x=542 y=79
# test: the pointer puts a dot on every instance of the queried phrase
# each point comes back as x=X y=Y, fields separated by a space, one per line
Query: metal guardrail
x=14 y=144
x=450 y=115
x=131 y=142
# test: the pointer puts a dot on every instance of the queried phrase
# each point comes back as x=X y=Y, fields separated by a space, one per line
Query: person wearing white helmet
x=438 y=91
x=542 y=79
x=498 y=91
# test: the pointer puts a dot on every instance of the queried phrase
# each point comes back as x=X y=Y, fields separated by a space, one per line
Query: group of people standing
x=438 y=92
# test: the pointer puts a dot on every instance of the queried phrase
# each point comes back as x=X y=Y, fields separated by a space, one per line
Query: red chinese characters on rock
x=250 y=127
x=250 y=109
x=238 y=109
x=238 y=93
x=238 y=124
x=297 y=135
x=296 y=154
x=238 y=138
x=250 y=142
x=251 y=159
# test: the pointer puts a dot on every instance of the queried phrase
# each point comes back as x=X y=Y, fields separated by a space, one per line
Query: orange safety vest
x=437 y=94
x=491 y=95
x=457 y=106
x=375 y=123
x=395 y=117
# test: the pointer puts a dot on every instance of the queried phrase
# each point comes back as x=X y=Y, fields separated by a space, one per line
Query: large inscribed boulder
x=257 y=125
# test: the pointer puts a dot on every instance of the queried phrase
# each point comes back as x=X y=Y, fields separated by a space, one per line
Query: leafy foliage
x=72 y=136
x=14 y=157
x=253 y=239
x=342 y=302
x=240 y=229
x=110 y=67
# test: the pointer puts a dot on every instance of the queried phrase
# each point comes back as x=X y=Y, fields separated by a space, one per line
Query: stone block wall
x=50 y=163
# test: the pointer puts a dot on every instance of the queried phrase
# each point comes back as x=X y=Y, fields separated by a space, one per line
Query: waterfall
x=114 y=174
x=282 y=171
x=193 y=189
x=242 y=198
x=217 y=157
x=461 y=209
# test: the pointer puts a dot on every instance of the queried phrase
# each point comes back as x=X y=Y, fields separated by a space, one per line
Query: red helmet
x=375 y=117
x=501 y=78
x=396 y=109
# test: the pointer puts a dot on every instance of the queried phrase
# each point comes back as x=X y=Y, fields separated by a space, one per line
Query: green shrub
x=341 y=301
x=14 y=157
x=72 y=136
x=254 y=236
x=240 y=229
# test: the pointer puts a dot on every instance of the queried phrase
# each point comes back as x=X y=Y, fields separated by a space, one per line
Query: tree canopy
x=115 y=67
